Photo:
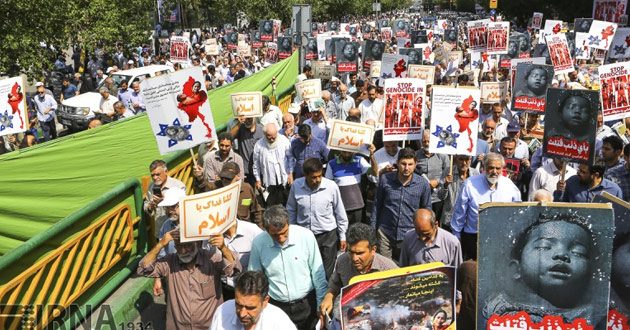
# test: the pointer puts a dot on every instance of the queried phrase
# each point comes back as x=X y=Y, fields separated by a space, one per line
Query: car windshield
x=117 y=78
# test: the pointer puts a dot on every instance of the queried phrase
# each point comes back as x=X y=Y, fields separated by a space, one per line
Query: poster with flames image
x=454 y=120
x=555 y=263
x=415 y=297
x=559 y=53
x=402 y=111
x=570 y=125
x=615 y=81
x=478 y=35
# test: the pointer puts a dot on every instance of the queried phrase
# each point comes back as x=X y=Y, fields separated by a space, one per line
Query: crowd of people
x=310 y=218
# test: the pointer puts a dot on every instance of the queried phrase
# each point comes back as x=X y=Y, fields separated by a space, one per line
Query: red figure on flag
x=399 y=68
x=556 y=29
x=15 y=97
x=191 y=100
x=466 y=114
x=607 y=32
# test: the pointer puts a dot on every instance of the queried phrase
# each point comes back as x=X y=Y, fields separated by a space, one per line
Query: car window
x=117 y=78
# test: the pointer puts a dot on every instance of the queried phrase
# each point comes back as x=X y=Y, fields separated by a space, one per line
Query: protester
x=161 y=182
x=270 y=165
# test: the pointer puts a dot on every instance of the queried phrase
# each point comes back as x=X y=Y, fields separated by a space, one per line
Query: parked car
x=76 y=113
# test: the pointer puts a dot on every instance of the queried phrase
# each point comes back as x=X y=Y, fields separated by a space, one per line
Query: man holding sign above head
x=193 y=276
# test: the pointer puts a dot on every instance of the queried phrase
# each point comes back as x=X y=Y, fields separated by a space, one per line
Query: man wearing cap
x=521 y=150
x=319 y=120
x=156 y=191
x=46 y=106
x=248 y=207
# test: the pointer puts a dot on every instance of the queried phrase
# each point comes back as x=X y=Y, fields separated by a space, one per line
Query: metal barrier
x=117 y=240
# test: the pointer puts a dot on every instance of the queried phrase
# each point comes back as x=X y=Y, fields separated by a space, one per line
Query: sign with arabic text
x=247 y=104
x=349 y=136
x=209 y=213
x=308 y=89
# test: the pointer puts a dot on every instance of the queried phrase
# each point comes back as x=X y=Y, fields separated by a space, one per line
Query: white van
x=76 y=113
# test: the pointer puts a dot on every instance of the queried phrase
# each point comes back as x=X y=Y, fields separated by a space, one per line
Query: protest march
x=424 y=170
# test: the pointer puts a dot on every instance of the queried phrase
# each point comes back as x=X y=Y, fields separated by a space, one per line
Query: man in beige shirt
x=194 y=279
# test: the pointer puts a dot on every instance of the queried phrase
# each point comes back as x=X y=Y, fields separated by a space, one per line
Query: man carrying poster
x=570 y=125
x=530 y=87
x=403 y=105
x=555 y=268
x=615 y=95
x=178 y=109
x=559 y=53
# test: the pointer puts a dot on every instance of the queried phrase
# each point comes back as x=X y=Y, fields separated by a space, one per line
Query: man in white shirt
x=344 y=103
x=500 y=130
x=547 y=176
x=370 y=107
x=271 y=113
x=250 y=310
x=319 y=120
x=106 y=106
x=269 y=165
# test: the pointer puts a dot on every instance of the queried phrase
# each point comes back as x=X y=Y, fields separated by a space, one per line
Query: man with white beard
x=269 y=165
x=193 y=276
x=478 y=189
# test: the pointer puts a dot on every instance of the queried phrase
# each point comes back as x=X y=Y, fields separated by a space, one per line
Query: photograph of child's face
x=377 y=50
x=267 y=27
x=286 y=44
x=513 y=48
x=620 y=272
x=414 y=57
x=349 y=52
x=537 y=80
x=555 y=261
x=575 y=113
x=452 y=36
x=523 y=42
x=312 y=45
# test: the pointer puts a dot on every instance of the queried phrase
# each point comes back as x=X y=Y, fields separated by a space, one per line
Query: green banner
x=44 y=184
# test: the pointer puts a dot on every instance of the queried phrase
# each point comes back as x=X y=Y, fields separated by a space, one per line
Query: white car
x=76 y=113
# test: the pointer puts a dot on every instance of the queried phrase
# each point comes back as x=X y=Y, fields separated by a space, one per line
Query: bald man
x=542 y=195
x=95 y=123
x=269 y=165
x=428 y=243
x=356 y=112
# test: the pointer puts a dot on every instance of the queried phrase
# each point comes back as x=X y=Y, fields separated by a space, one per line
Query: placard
x=178 y=109
x=393 y=66
x=531 y=82
x=615 y=100
x=285 y=47
x=601 y=34
x=308 y=89
x=477 y=36
x=244 y=50
x=247 y=104
x=14 y=118
x=386 y=33
x=349 y=136
x=454 y=120
x=311 y=49
x=271 y=56
x=402 y=112
x=559 y=53
x=373 y=52
x=375 y=69
x=426 y=72
x=619 y=47
x=266 y=30
x=209 y=213
x=609 y=10
x=537 y=20
x=410 y=296
x=493 y=92
x=212 y=49
x=347 y=56
x=180 y=47
x=570 y=125
x=498 y=37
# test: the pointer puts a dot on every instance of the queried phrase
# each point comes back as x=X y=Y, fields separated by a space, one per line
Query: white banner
x=13 y=113
x=426 y=72
x=178 y=109
x=402 y=113
x=247 y=104
x=454 y=120
x=349 y=136
x=308 y=89
x=493 y=92
x=209 y=213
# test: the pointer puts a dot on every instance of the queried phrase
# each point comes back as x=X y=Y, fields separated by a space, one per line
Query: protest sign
x=450 y=37
x=537 y=286
x=537 y=20
x=582 y=50
x=209 y=213
x=373 y=52
x=277 y=24
x=411 y=296
x=619 y=48
x=244 y=50
x=255 y=39
x=440 y=53
x=559 y=53
x=426 y=72
x=347 y=56
x=511 y=169
x=266 y=30
x=349 y=136
x=419 y=37
x=454 y=120
x=211 y=41
x=515 y=62
x=614 y=95
x=285 y=47
x=402 y=111
x=493 y=92
x=386 y=33
x=375 y=69
x=14 y=118
x=180 y=47
x=232 y=40
x=271 y=56
x=322 y=41
x=366 y=31
x=570 y=125
x=591 y=75
x=212 y=49
x=308 y=89
x=477 y=36
x=325 y=72
x=427 y=52
x=552 y=27
x=393 y=66
x=399 y=28
x=498 y=36
x=601 y=34
x=311 y=49
x=178 y=109
x=247 y=104
x=582 y=25
x=609 y=10
x=531 y=82
x=440 y=26
x=414 y=56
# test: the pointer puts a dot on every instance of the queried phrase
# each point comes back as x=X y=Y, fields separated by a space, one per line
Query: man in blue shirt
x=621 y=175
x=315 y=203
x=68 y=90
x=398 y=196
x=491 y=186
x=46 y=107
x=124 y=95
x=302 y=149
x=588 y=182
x=290 y=258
